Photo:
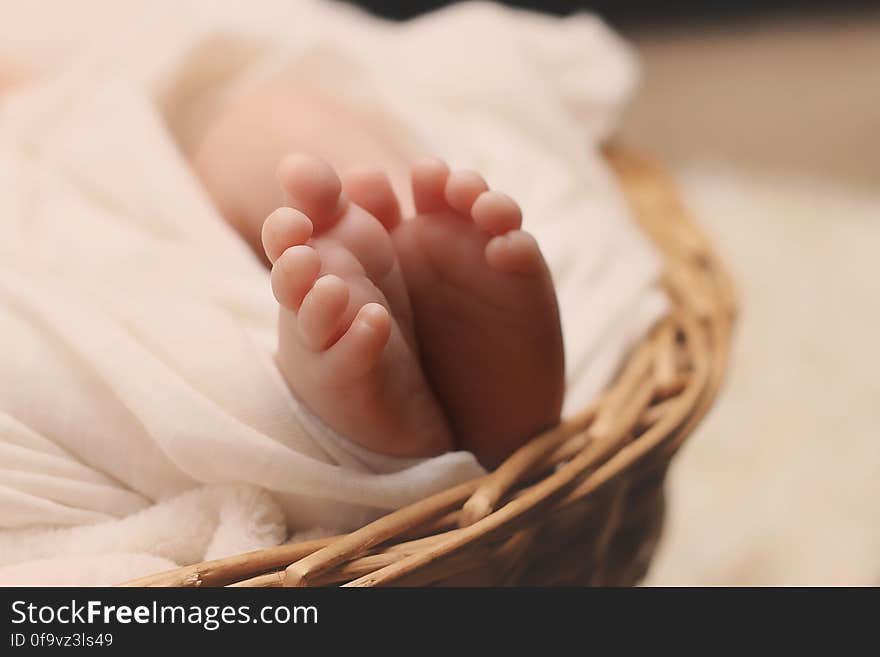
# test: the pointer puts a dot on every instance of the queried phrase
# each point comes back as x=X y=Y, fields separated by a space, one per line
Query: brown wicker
x=582 y=504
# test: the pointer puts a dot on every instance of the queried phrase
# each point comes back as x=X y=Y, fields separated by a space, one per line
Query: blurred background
x=788 y=85
x=768 y=115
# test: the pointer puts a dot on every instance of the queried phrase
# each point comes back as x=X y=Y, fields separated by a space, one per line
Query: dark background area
x=787 y=85
x=636 y=11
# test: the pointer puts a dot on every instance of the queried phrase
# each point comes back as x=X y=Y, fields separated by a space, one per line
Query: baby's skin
x=416 y=316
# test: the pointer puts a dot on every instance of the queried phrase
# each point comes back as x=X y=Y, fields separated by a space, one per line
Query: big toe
x=313 y=187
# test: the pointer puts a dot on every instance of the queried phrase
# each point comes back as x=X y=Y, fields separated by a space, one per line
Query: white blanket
x=142 y=422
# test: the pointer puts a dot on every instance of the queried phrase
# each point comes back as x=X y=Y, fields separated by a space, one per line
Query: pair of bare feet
x=413 y=336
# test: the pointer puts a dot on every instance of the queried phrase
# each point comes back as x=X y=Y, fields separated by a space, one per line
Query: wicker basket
x=582 y=504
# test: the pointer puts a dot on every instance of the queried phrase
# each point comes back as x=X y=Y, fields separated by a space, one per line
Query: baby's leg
x=346 y=345
x=485 y=315
x=239 y=152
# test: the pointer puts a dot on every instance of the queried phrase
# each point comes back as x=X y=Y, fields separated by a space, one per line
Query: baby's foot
x=485 y=311
x=311 y=186
x=343 y=343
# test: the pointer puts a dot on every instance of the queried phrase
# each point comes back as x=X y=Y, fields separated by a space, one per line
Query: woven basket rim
x=597 y=477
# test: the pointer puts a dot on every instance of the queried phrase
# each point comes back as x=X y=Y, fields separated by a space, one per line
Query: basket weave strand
x=581 y=504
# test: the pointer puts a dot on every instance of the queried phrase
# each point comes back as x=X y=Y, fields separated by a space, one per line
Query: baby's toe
x=321 y=313
x=293 y=274
x=463 y=188
x=312 y=186
x=515 y=252
x=371 y=189
x=496 y=213
x=284 y=228
x=429 y=176
x=360 y=348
